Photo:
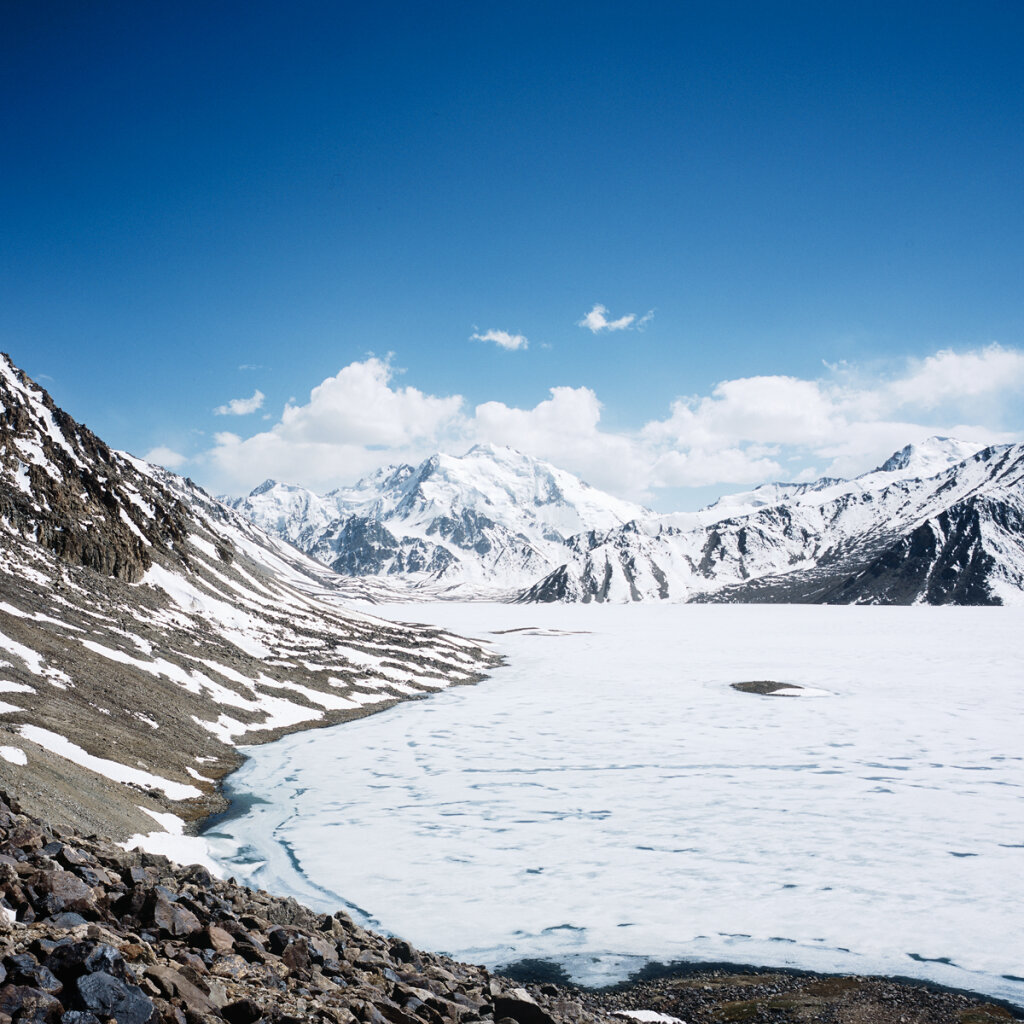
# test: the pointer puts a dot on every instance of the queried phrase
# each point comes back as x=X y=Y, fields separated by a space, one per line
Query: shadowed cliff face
x=66 y=490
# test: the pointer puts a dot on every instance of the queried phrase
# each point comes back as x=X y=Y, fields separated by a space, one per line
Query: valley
x=160 y=653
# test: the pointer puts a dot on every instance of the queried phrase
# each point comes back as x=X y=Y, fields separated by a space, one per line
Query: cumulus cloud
x=352 y=423
x=503 y=339
x=845 y=423
x=744 y=431
x=241 y=406
x=565 y=429
x=166 y=457
x=960 y=377
x=597 y=320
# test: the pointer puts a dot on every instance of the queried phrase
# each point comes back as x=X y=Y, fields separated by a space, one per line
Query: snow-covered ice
x=608 y=798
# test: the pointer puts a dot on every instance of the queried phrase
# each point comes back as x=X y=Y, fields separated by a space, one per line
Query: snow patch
x=172 y=843
x=113 y=770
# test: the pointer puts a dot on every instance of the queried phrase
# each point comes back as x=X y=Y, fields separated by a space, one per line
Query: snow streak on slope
x=146 y=625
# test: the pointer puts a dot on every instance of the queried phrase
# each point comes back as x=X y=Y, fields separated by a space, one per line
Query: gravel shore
x=91 y=933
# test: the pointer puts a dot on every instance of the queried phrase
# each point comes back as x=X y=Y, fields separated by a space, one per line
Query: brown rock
x=174 y=920
x=29 y=1004
x=217 y=939
x=173 y=984
x=68 y=890
x=296 y=956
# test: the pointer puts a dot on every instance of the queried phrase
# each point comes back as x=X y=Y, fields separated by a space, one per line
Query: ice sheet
x=608 y=798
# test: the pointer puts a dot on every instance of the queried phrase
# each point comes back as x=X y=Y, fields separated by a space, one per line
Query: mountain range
x=147 y=630
x=488 y=522
x=939 y=522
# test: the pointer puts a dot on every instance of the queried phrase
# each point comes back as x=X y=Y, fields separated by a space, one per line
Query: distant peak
x=930 y=456
x=898 y=460
x=267 y=485
x=492 y=450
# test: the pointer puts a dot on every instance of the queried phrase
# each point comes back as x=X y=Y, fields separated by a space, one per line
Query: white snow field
x=608 y=799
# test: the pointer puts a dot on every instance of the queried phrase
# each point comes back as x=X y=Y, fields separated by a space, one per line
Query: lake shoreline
x=691 y=966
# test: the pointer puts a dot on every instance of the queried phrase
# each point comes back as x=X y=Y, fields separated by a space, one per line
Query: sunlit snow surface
x=608 y=798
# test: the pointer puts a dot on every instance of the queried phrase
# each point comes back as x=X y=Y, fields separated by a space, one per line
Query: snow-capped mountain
x=928 y=526
x=146 y=630
x=492 y=520
x=937 y=522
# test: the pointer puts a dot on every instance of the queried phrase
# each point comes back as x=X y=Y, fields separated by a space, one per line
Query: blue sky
x=816 y=207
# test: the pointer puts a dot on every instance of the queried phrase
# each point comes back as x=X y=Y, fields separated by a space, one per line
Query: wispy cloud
x=241 y=406
x=504 y=339
x=597 y=320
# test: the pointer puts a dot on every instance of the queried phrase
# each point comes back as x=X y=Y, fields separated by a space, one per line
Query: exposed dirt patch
x=714 y=996
x=766 y=687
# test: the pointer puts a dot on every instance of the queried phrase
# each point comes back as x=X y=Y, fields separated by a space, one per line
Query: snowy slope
x=493 y=519
x=924 y=527
x=916 y=461
x=146 y=630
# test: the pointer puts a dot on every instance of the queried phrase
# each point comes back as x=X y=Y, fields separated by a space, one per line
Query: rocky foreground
x=90 y=933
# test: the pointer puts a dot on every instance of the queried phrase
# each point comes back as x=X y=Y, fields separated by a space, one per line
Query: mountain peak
x=267 y=485
x=491 y=517
x=490 y=450
x=930 y=456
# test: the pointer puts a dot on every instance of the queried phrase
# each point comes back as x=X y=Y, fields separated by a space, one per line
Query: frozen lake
x=607 y=798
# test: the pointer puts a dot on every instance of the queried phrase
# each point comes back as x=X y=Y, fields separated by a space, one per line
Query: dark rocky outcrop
x=76 y=503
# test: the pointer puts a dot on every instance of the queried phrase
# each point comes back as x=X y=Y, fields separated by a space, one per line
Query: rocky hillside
x=146 y=631
x=490 y=521
x=91 y=933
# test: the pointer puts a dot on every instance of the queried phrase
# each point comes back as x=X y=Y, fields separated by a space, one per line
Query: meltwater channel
x=608 y=799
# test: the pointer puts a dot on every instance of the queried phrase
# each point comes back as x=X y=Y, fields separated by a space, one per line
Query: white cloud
x=960 y=377
x=166 y=457
x=503 y=339
x=847 y=422
x=597 y=320
x=352 y=423
x=774 y=410
x=241 y=406
x=745 y=431
x=700 y=468
x=564 y=429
